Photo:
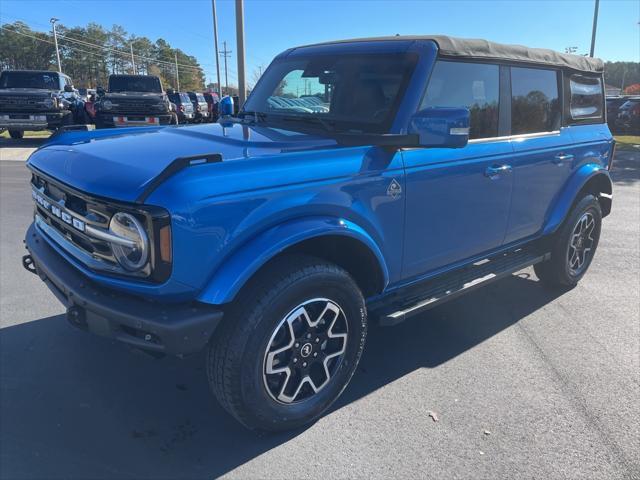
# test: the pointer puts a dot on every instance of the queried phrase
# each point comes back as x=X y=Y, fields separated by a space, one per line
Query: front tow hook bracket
x=27 y=263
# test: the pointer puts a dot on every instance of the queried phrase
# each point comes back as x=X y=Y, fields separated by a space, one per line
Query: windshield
x=135 y=84
x=354 y=93
x=40 y=80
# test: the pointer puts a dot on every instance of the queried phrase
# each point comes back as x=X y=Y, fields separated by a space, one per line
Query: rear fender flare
x=585 y=174
x=240 y=266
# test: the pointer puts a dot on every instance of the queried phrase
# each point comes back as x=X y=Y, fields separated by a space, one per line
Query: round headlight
x=49 y=102
x=127 y=226
x=107 y=105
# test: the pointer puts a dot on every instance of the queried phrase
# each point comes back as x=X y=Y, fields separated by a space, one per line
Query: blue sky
x=275 y=25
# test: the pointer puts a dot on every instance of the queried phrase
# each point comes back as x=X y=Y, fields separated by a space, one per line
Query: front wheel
x=289 y=345
x=16 y=134
x=574 y=245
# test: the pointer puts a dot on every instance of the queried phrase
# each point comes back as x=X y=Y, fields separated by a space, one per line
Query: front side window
x=585 y=98
x=535 y=106
x=342 y=93
x=475 y=86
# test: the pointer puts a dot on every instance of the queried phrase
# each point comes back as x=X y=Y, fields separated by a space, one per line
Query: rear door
x=543 y=150
x=457 y=200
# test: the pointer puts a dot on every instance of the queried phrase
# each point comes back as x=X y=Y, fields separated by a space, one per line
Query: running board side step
x=453 y=284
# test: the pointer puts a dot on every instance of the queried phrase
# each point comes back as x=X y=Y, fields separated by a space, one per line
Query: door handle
x=495 y=170
x=561 y=157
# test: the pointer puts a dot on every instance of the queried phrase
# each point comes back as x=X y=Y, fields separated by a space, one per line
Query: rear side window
x=535 y=106
x=585 y=98
x=475 y=86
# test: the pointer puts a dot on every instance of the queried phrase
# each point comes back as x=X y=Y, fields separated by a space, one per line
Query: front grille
x=129 y=106
x=16 y=103
x=52 y=201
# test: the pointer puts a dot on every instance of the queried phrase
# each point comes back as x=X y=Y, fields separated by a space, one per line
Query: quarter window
x=475 y=86
x=585 y=97
x=535 y=106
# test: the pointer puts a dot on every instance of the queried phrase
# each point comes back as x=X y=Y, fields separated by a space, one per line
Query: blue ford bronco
x=363 y=180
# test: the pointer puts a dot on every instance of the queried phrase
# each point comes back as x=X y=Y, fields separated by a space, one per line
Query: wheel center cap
x=305 y=351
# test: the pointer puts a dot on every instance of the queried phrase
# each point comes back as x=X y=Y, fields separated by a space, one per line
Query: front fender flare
x=234 y=272
x=564 y=202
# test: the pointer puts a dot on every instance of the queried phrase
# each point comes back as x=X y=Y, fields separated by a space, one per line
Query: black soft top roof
x=486 y=50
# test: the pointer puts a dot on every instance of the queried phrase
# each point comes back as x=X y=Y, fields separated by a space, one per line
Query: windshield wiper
x=323 y=122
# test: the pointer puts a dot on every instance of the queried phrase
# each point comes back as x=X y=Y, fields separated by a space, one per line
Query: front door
x=458 y=200
x=457 y=204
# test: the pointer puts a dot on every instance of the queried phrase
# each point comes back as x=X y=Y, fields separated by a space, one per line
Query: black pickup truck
x=133 y=100
x=37 y=100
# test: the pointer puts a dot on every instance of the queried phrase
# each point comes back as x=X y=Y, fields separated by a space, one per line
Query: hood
x=119 y=163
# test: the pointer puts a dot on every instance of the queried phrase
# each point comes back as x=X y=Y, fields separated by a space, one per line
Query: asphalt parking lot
x=523 y=382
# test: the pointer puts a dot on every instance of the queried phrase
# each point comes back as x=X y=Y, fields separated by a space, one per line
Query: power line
x=101 y=47
x=70 y=38
x=120 y=52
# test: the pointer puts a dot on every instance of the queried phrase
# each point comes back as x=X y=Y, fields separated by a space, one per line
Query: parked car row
x=44 y=100
x=623 y=114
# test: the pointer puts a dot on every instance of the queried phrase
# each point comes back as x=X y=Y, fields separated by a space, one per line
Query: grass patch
x=628 y=142
x=29 y=134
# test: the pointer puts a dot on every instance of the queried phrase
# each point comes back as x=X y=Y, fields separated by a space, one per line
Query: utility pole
x=175 y=54
x=55 y=39
x=595 y=26
x=133 y=62
x=242 y=82
x=226 y=54
x=215 y=43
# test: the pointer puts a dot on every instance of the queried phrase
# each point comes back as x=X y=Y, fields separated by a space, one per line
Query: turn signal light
x=165 y=244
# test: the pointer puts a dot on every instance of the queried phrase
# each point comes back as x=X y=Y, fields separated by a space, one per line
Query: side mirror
x=441 y=127
x=68 y=88
x=100 y=91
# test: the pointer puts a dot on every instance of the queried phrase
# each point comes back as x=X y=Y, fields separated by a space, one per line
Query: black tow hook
x=27 y=263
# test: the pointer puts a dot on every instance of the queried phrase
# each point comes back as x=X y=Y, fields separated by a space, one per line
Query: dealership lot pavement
x=523 y=382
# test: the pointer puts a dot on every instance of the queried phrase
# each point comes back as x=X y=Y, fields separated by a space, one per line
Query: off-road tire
x=237 y=355
x=557 y=272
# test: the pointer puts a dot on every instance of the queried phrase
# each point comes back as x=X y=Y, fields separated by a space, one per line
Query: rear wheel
x=16 y=134
x=289 y=345
x=574 y=245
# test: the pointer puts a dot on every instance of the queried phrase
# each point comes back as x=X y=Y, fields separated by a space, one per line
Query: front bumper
x=158 y=327
x=133 y=120
x=44 y=120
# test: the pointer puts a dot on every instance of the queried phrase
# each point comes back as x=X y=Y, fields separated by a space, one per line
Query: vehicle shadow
x=78 y=406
